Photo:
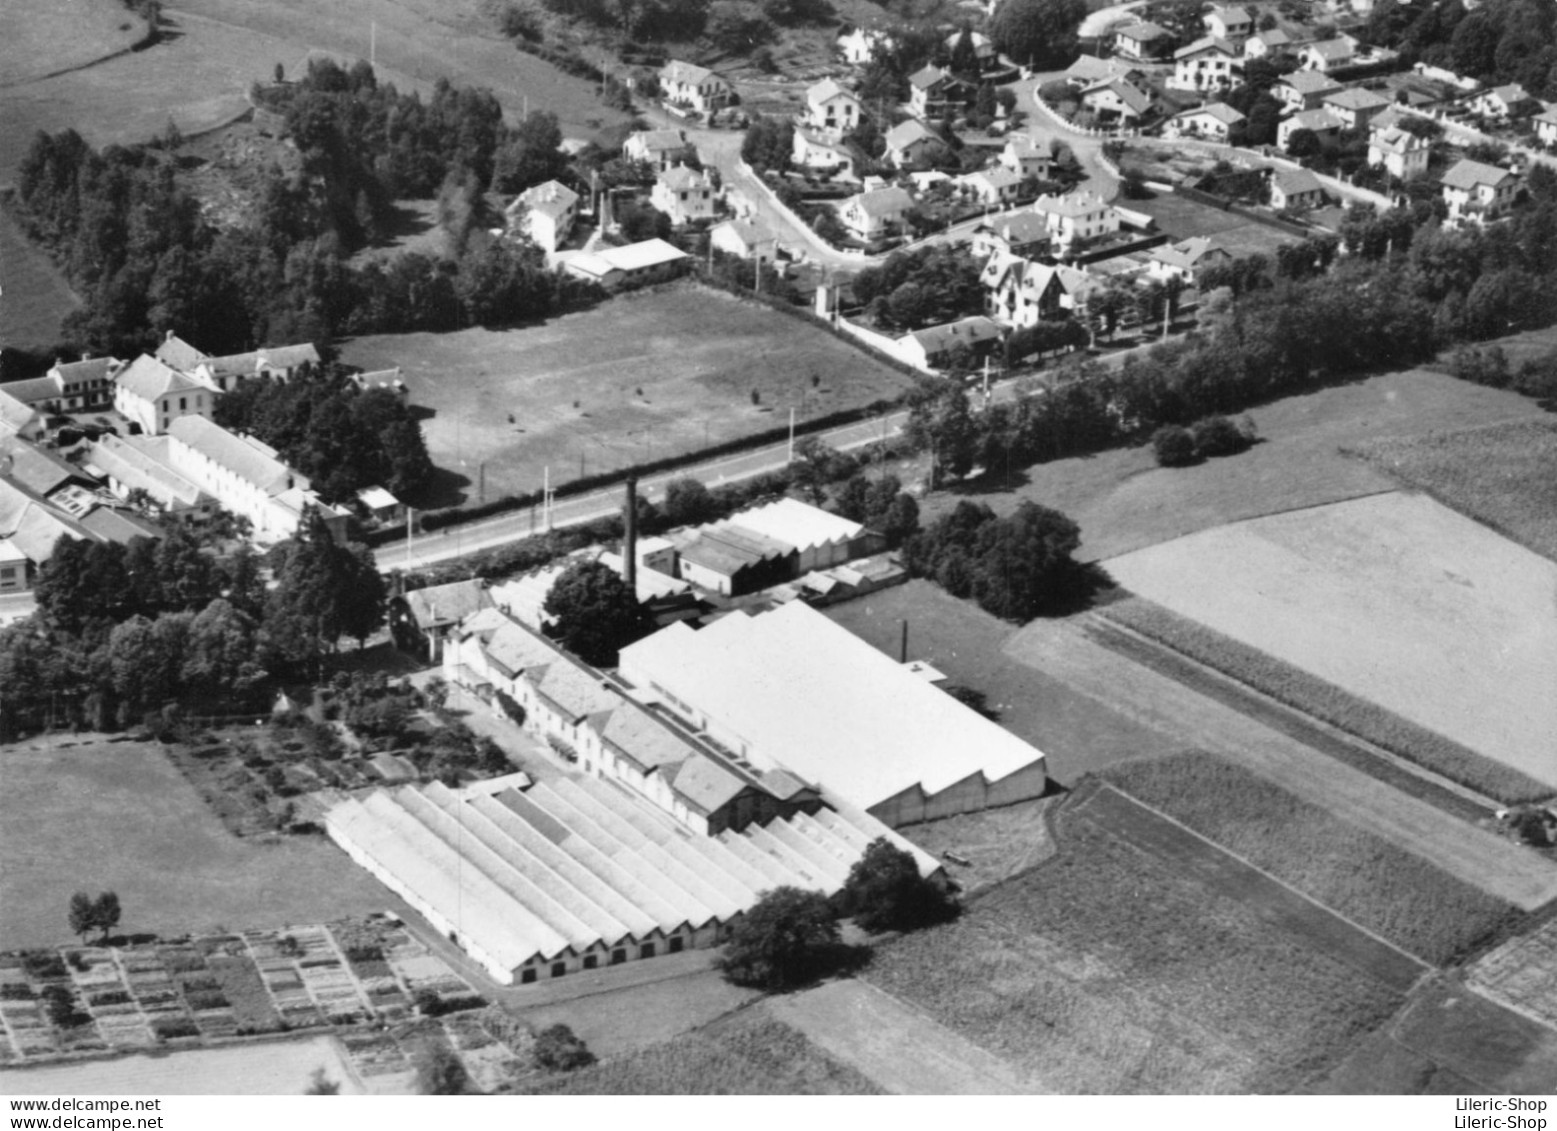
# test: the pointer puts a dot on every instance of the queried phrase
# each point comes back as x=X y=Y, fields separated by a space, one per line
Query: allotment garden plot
x=1393 y=597
x=638 y=378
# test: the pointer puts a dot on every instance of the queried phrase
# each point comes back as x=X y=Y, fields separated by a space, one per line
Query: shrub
x=1174 y=446
x=558 y=1049
x=1220 y=436
x=885 y=892
x=172 y=1028
x=784 y=940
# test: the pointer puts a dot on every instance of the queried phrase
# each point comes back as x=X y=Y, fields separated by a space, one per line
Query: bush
x=1221 y=436
x=558 y=1049
x=1174 y=446
x=885 y=892
x=786 y=939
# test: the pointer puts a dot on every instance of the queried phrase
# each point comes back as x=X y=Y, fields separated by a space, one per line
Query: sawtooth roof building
x=789 y=689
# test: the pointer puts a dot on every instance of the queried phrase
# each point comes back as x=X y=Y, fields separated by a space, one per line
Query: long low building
x=789 y=689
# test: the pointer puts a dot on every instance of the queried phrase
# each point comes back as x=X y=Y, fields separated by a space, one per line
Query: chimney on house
x=630 y=536
x=168 y=336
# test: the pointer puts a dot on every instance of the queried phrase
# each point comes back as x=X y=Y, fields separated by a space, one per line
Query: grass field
x=1124 y=501
x=997 y=843
x=34 y=296
x=1504 y=476
x=1313 y=696
x=1108 y=970
x=117 y=816
x=1497 y=1050
x=64 y=33
x=747 y=1053
x=1361 y=876
x=573 y=384
x=1183 y=218
x=1395 y=598
x=1065 y=651
x=276 y=1068
x=1078 y=733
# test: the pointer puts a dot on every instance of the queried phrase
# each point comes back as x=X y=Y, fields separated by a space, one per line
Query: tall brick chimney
x=630 y=536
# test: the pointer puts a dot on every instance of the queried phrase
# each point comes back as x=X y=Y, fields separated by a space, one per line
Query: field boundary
x=148 y=37
x=1139 y=643
x=1086 y=804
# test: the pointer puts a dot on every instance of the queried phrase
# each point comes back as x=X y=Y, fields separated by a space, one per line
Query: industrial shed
x=572 y=875
x=820 y=538
x=791 y=689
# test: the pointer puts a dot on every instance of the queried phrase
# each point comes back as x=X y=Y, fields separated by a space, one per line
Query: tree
x=900 y=521
x=439 y=1071
x=1303 y=143
x=596 y=613
x=321 y=1085
x=785 y=939
x=885 y=892
x=106 y=913
x=560 y=1050
x=1174 y=446
x=221 y=650
x=83 y=914
x=1024 y=564
x=965 y=58
x=1041 y=33
x=324 y=591
x=688 y=502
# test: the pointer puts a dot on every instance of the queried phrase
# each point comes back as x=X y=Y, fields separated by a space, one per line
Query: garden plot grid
x=1522 y=974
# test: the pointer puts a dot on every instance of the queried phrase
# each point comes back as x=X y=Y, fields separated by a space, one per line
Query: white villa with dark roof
x=1504 y=102
x=994 y=187
x=911 y=142
x=684 y=195
x=1304 y=90
x=1185 y=259
x=876 y=214
x=1075 y=218
x=153 y=395
x=831 y=109
x=1026 y=157
x=1208 y=64
x=1118 y=100
x=687 y=84
x=1233 y=24
x=659 y=149
x=1144 y=40
x=1402 y=153
x=1328 y=55
x=1212 y=122
x=1296 y=189
x=1022 y=292
x=1477 y=193
x=1263 y=44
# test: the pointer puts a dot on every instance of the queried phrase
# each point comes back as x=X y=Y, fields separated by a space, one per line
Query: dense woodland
x=133 y=241
x=123 y=630
x=1502 y=41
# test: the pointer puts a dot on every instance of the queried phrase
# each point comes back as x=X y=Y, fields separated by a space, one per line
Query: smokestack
x=902 y=648
x=630 y=536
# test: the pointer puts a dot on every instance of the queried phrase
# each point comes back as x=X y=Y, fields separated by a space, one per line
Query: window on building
x=618 y=956
x=558 y=969
x=646 y=950
x=676 y=944
x=7 y=573
x=527 y=975
x=183 y=403
x=591 y=961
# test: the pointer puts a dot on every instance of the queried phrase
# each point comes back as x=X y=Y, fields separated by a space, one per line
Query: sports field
x=640 y=377
x=1393 y=597
x=117 y=816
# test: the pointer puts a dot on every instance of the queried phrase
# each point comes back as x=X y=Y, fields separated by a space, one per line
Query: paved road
x=1043 y=125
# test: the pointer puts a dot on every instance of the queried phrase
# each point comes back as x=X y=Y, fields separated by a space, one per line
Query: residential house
x=1089 y=70
x=1264 y=44
x=1022 y=234
x=29 y=529
x=175 y=352
x=744 y=240
x=1476 y=193
x=831 y=110
x=1207 y=65
x=153 y=395
x=1185 y=260
x=983 y=49
x=1027 y=157
x=812 y=151
x=1119 y=101
x=1076 y=218
x=911 y=142
x=1230 y=23
x=276 y=363
x=1402 y=153
x=1355 y=106
x=932 y=92
x=1022 y=292
x=875 y=215
x=282 y=363
x=684 y=194
x=380 y=505
x=995 y=187
x=860 y=45
x=1304 y=90
x=1295 y=189
x=1321 y=122
x=421 y=620
x=937 y=346
x=1505 y=102
x=387 y=380
x=69 y=386
x=1329 y=55
x=686 y=84
x=1144 y=40
x=660 y=149
x=1546 y=126
x=544 y=214
x=1211 y=122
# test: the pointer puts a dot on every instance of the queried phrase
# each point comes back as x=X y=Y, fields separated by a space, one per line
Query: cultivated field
x=1496 y=1050
x=47 y=38
x=642 y=377
x=1109 y=970
x=747 y=1053
x=1504 y=476
x=1370 y=881
x=1522 y=973
x=276 y=1068
x=1124 y=501
x=1189 y=644
x=34 y=296
x=996 y=843
x=1064 y=651
x=1394 y=597
x=118 y=816
x=1078 y=733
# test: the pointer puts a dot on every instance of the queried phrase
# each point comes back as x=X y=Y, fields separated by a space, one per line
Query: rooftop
x=636 y=256
x=248 y=459
x=1204 y=44
x=1469 y=174
x=148 y=378
x=1309 y=82
x=439 y=605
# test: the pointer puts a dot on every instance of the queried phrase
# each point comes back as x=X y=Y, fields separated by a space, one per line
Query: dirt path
x=901 y=1049
x=1060 y=649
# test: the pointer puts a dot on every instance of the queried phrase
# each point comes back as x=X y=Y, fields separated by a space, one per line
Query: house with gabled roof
x=1263 y=44
x=687 y=84
x=1118 y=100
x=174 y=351
x=153 y=395
x=994 y=187
x=1021 y=234
x=1328 y=55
x=1546 y=126
x=1229 y=22
x=1089 y=69
x=1206 y=65
x=860 y=45
x=1213 y=122
x=874 y=215
x=659 y=149
x=911 y=142
x=744 y=239
x=932 y=92
x=544 y=214
x=813 y=151
x=1144 y=40
x=1402 y=153
x=1320 y=122
x=935 y=346
x=1477 y=192
x=1304 y=90
x=831 y=109
x=1185 y=260
x=1355 y=106
x=1503 y=103
x=1075 y=218
x=1026 y=157
x=684 y=194
x=1295 y=189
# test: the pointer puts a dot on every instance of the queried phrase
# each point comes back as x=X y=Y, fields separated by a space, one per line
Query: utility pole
x=408 y=511
x=373 y=43
x=791 y=434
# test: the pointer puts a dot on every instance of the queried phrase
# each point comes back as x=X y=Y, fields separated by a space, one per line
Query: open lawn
x=1124 y=501
x=747 y=1053
x=117 y=816
x=1077 y=733
x=1065 y=651
x=1182 y=218
x=43 y=39
x=640 y=377
x=1395 y=598
x=1504 y=476
x=275 y=1068
x=1109 y=970
x=34 y=296
x=1379 y=886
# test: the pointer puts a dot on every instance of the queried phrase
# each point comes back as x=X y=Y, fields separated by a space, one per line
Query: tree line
x=1500 y=41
